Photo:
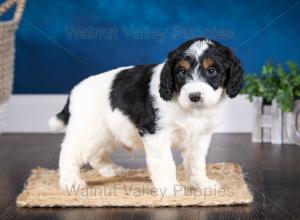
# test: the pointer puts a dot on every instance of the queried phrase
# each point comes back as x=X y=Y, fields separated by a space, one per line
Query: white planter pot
x=291 y=124
x=271 y=125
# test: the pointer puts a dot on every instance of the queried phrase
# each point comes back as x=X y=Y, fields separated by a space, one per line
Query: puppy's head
x=197 y=73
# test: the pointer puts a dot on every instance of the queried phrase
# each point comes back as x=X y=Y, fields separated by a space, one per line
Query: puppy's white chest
x=186 y=127
x=195 y=122
x=192 y=127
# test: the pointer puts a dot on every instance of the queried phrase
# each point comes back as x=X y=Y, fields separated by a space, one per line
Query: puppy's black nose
x=195 y=96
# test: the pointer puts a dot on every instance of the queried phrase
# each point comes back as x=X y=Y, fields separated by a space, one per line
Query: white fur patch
x=209 y=96
x=55 y=124
x=198 y=48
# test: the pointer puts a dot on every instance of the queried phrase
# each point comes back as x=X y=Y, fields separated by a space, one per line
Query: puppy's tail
x=60 y=120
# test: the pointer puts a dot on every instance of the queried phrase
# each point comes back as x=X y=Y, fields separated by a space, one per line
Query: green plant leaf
x=280 y=82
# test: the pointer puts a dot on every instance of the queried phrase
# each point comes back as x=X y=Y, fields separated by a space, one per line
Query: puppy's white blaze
x=55 y=124
x=195 y=75
x=198 y=48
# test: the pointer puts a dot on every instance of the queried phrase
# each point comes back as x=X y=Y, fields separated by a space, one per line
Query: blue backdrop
x=61 y=42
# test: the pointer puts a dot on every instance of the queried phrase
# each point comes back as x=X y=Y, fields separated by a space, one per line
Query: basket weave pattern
x=7 y=47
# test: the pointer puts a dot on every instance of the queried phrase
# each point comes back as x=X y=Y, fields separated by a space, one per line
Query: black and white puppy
x=151 y=107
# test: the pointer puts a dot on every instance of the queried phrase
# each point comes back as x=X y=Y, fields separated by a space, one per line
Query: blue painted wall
x=55 y=49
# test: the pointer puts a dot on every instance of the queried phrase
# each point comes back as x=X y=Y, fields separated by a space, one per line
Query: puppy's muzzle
x=195 y=96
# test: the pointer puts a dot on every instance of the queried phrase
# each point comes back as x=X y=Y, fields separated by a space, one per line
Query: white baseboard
x=30 y=114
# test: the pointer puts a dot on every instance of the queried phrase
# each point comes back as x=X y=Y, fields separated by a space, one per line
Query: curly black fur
x=235 y=78
x=130 y=94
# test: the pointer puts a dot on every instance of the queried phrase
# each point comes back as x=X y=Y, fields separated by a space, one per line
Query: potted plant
x=275 y=94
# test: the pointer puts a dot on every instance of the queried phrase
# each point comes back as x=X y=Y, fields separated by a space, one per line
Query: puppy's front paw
x=205 y=184
x=174 y=189
x=211 y=184
x=68 y=184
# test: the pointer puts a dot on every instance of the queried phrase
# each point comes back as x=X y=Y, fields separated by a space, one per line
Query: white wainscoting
x=30 y=114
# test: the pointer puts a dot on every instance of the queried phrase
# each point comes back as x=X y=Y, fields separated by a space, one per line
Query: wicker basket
x=7 y=47
x=7 y=50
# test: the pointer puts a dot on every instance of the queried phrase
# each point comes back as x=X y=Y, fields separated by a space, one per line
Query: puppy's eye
x=181 y=71
x=211 y=71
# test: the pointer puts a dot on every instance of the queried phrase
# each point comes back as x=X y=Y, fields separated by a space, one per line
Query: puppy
x=151 y=107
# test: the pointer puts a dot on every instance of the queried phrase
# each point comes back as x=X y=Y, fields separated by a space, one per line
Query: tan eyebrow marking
x=185 y=64
x=207 y=62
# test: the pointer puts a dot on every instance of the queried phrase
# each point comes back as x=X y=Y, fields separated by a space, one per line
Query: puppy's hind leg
x=69 y=167
x=105 y=166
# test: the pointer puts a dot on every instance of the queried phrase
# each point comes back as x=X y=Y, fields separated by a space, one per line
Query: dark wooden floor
x=272 y=172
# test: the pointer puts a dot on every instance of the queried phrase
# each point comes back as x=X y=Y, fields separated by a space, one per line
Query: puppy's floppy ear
x=167 y=82
x=235 y=74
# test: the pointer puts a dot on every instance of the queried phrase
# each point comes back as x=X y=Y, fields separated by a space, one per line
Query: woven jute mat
x=135 y=189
